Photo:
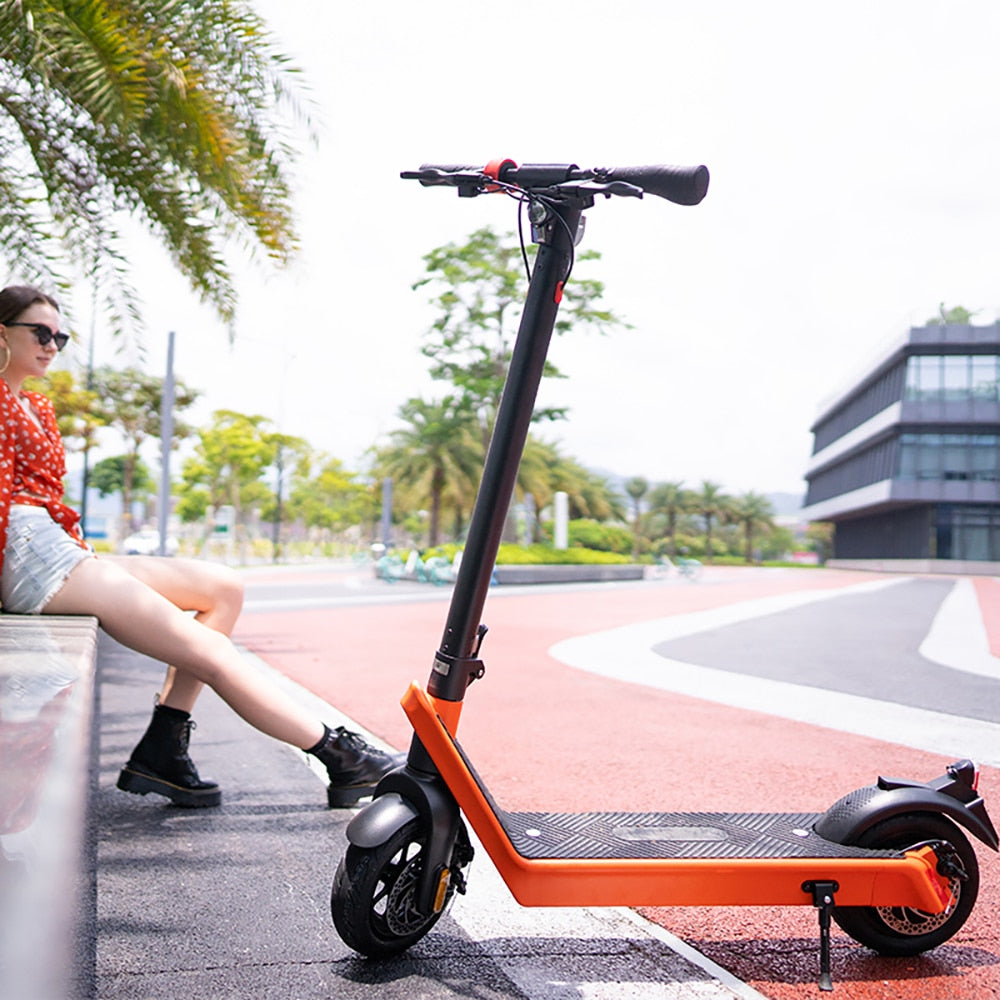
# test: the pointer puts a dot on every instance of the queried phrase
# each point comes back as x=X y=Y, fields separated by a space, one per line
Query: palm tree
x=636 y=488
x=712 y=504
x=171 y=113
x=544 y=471
x=591 y=495
x=440 y=448
x=536 y=476
x=671 y=500
x=754 y=513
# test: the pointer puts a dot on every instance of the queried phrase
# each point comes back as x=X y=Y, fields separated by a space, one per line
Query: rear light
x=965 y=772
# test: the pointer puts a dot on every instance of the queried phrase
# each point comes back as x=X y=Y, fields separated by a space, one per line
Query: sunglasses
x=43 y=334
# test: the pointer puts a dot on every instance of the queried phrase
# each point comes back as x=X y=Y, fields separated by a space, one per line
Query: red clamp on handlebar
x=493 y=168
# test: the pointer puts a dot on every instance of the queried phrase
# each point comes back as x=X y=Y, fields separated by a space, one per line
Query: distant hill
x=784 y=504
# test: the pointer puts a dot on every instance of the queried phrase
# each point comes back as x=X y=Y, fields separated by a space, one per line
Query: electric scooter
x=888 y=862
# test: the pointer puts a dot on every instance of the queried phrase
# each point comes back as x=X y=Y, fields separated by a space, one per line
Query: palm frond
x=172 y=110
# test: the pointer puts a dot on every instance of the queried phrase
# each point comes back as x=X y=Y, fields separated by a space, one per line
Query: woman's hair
x=14 y=299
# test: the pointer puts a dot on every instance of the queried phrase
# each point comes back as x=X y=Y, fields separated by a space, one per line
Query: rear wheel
x=902 y=930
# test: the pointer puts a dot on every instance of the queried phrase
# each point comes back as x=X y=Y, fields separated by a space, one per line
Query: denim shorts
x=37 y=560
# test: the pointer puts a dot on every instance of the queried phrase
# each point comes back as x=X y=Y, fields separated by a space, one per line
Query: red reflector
x=559 y=292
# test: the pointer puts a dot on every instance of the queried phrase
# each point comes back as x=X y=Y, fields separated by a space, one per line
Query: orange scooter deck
x=667 y=859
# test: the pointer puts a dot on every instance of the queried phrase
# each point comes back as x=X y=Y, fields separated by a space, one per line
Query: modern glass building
x=906 y=462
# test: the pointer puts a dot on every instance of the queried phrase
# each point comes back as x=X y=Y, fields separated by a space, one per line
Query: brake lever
x=608 y=189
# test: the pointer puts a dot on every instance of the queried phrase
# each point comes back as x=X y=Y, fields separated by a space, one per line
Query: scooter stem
x=455 y=665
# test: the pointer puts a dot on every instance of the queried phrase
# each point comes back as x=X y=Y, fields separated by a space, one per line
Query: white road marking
x=626 y=654
x=958 y=638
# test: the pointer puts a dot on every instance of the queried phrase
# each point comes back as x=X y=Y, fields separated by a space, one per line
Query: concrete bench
x=47 y=688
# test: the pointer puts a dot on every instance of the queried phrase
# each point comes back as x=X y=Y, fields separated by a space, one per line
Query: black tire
x=900 y=930
x=372 y=901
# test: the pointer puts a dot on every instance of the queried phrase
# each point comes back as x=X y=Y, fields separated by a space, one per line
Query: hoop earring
x=6 y=365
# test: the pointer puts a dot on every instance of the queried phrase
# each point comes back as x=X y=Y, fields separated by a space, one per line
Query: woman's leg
x=213 y=592
x=160 y=762
x=139 y=617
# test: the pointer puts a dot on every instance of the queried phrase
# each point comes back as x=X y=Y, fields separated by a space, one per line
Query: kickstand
x=822 y=894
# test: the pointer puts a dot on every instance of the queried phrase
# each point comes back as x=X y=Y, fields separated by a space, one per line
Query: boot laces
x=357 y=742
x=184 y=736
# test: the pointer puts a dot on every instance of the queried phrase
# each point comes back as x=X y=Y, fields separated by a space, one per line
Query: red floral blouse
x=32 y=462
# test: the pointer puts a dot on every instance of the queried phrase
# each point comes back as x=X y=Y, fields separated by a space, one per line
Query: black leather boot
x=354 y=767
x=160 y=763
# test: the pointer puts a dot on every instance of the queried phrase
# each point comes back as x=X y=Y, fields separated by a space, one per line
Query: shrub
x=587 y=534
x=529 y=555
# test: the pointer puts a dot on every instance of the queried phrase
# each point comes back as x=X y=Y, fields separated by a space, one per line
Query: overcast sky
x=854 y=150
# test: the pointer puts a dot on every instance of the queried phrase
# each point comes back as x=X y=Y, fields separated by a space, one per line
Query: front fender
x=379 y=820
x=400 y=797
x=861 y=809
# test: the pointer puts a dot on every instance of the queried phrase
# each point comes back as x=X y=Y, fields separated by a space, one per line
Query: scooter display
x=888 y=862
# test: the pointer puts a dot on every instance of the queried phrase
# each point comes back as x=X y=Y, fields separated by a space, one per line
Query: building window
x=986 y=377
x=971 y=533
x=949 y=457
x=939 y=377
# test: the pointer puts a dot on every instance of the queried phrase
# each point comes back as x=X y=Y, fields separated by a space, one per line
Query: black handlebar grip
x=443 y=169
x=452 y=168
x=681 y=185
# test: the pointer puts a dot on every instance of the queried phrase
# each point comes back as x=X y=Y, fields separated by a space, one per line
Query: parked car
x=146 y=542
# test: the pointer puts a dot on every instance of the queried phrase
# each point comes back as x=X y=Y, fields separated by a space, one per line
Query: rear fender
x=858 y=811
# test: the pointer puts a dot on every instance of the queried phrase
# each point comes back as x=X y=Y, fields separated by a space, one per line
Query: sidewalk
x=234 y=902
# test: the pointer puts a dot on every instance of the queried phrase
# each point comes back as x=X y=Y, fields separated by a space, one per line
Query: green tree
x=956 y=315
x=671 y=501
x=131 y=404
x=712 y=504
x=478 y=289
x=290 y=453
x=590 y=495
x=176 y=114
x=777 y=543
x=819 y=538
x=545 y=471
x=331 y=498
x=108 y=477
x=227 y=467
x=636 y=488
x=80 y=413
x=437 y=447
x=755 y=515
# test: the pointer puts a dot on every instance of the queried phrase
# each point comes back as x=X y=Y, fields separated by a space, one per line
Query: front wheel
x=902 y=930
x=373 y=901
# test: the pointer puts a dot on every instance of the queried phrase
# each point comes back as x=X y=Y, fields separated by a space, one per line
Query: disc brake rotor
x=913 y=922
x=401 y=913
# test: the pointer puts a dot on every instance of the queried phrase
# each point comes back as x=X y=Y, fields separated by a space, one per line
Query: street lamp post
x=166 y=443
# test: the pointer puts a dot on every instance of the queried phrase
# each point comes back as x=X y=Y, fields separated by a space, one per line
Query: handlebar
x=681 y=185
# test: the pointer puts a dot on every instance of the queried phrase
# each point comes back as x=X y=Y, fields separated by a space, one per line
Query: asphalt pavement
x=234 y=902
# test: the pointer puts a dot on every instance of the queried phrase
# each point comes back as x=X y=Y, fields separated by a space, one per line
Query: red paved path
x=545 y=736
